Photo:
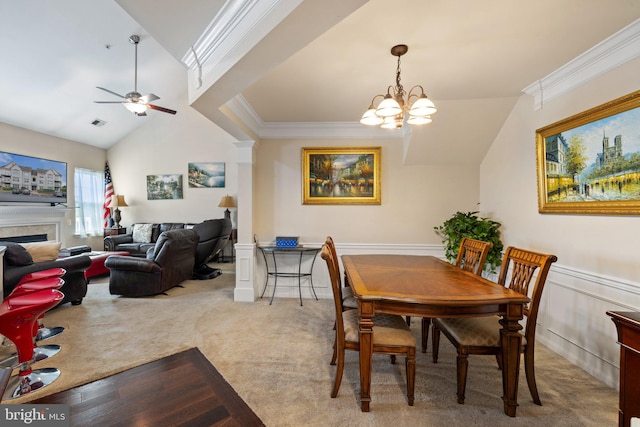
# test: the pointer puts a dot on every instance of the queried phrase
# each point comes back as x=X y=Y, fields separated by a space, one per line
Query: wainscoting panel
x=573 y=320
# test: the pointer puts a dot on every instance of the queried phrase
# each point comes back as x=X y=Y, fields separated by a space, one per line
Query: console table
x=628 y=326
x=271 y=252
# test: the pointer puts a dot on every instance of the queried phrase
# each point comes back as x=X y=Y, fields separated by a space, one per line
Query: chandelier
x=391 y=112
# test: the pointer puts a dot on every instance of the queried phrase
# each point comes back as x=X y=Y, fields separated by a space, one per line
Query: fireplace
x=34 y=221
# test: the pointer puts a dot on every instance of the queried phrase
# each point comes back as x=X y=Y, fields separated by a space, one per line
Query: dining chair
x=391 y=334
x=348 y=300
x=481 y=335
x=346 y=294
x=472 y=256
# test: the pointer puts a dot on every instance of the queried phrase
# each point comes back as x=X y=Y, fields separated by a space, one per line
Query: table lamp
x=117 y=202
x=227 y=202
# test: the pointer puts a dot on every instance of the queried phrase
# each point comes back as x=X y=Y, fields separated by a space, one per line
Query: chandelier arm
x=413 y=94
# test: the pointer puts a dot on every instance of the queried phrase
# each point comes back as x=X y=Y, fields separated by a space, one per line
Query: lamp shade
x=227 y=202
x=388 y=107
x=422 y=107
x=118 y=201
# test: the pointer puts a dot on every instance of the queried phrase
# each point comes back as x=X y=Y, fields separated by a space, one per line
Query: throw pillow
x=142 y=233
x=16 y=254
x=43 y=251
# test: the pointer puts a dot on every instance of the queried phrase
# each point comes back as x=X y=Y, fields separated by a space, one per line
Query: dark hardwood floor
x=180 y=390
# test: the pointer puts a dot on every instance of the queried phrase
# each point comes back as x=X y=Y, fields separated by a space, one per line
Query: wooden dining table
x=426 y=286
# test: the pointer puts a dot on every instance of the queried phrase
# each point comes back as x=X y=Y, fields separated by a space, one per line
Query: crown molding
x=304 y=130
x=612 y=52
x=238 y=27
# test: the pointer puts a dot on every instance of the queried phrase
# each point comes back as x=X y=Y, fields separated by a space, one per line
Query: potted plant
x=470 y=225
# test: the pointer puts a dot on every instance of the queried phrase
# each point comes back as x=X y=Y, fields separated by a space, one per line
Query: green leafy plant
x=470 y=225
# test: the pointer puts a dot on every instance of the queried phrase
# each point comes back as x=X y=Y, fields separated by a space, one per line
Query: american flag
x=108 y=194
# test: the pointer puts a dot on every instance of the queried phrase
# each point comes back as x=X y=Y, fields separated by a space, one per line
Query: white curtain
x=89 y=193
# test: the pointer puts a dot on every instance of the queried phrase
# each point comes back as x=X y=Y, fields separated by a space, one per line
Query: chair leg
x=435 y=342
x=393 y=359
x=499 y=360
x=410 y=367
x=335 y=352
x=426 y=324
x=408 y=318
x=529 y=370
x=339 y=369
x=463 y=363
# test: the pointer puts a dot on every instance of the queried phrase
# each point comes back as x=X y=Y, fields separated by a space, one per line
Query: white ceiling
x=473 y=59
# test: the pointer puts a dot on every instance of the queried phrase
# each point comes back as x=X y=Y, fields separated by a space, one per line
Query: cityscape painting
x=206 y=175
x=590 y=163
x=341 y=175
x=161 y=187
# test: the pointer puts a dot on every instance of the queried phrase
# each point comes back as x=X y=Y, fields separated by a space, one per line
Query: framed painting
x=163 y=187
x=590 y=163
x=206 y=175
x=341 y=175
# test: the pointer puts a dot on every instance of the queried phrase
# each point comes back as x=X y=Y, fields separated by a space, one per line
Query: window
x=89 y=194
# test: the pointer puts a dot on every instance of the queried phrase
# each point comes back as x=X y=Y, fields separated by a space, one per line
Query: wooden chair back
x=472 y=255
x=518 y=269
x=334 y=276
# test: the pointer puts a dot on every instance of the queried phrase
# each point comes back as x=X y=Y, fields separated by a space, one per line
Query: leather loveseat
x=168 y=264
x=17 y=262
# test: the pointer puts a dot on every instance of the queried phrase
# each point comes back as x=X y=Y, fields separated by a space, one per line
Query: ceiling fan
x=134 y=101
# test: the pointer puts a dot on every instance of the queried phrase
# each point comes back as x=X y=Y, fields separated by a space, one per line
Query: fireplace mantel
x=37 y=215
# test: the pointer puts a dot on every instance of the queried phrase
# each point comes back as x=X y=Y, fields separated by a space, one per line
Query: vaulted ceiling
x=273 y=68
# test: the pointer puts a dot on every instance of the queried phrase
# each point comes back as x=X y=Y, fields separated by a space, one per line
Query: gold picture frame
x=590 y=163
x=341 y=176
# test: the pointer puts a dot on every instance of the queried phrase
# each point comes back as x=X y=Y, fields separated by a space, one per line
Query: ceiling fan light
x=370 y=118
x=419 y=120
x=422 y=107
x=388 y=107
x=134 y=107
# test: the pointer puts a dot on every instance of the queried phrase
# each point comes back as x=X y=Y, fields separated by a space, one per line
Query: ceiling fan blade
x=108 y=102
x=148 y=98
x=164 y=110
x=110 y=91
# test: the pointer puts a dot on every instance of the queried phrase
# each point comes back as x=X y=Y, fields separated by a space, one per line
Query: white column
x=245 y=248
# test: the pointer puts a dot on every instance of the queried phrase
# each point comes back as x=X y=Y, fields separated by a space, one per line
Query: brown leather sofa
x=169 y=263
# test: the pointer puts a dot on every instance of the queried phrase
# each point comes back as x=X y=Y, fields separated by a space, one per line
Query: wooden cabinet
x=628 y=326
x=114 y=231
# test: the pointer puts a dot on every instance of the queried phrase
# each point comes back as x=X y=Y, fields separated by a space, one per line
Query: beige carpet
x=277 y=359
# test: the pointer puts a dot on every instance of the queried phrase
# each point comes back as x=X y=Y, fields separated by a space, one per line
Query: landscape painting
x=342 y=175
x=206 y=175
x=590 y=163
x=161 y=187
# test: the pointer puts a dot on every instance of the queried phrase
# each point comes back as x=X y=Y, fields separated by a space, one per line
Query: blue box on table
x=286 y=242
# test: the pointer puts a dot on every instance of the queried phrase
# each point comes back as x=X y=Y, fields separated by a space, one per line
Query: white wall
x=597 y=268
x=165 y=146
x=414 y=198
x=22 y=141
